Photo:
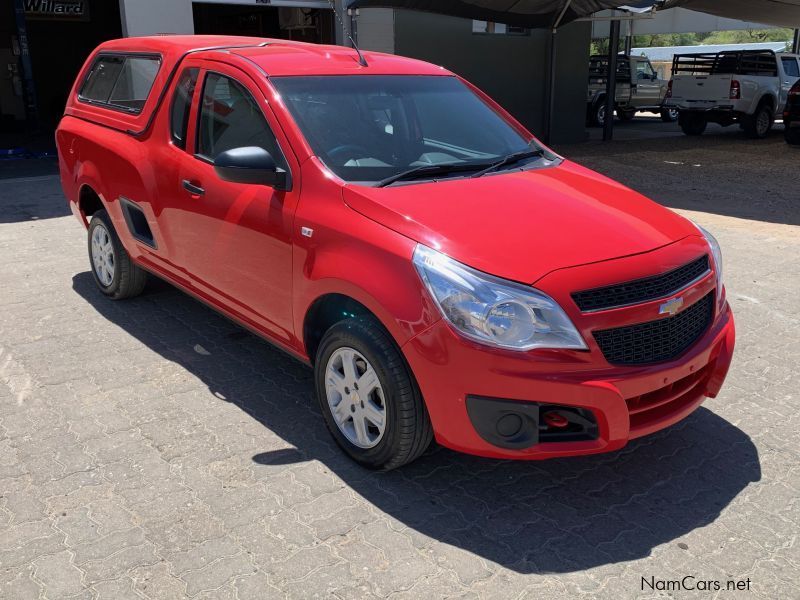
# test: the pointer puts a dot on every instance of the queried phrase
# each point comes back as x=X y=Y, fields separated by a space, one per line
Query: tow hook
x=553 y=419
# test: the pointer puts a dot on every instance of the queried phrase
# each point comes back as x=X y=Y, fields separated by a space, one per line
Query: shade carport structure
x=780 y=13
x=533 y=14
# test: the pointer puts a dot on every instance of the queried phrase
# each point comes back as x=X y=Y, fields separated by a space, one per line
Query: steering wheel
x=348 y=151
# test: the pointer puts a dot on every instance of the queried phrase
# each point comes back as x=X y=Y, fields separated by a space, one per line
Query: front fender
x=373 y=267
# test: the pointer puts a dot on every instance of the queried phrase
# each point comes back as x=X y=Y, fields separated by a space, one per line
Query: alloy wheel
x=355 y=397
x=762 y=122
x=103 y=255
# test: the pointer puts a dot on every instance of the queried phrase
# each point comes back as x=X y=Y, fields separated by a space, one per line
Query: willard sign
x=68 y=10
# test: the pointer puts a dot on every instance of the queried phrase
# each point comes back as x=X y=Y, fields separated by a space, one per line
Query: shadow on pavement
x=532 y=517
x=723 y=173
x=31 y=193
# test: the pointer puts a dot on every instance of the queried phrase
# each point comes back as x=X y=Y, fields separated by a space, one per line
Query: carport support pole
x=611 y=81
x=550 y=103
x=551 y=89
x=796 y=41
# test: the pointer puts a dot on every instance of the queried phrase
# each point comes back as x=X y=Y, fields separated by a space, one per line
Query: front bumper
x=627 y=402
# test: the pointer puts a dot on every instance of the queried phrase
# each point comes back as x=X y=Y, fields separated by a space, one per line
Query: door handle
x=192 y=188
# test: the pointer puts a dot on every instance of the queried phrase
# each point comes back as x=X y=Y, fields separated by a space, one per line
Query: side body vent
x=137 y=222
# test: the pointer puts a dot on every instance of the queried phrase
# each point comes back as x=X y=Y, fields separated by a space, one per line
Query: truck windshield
x=374 y=128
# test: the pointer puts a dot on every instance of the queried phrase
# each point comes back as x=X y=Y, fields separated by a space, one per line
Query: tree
x=745 y=36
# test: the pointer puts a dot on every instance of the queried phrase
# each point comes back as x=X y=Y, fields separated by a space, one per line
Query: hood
x=522 y=225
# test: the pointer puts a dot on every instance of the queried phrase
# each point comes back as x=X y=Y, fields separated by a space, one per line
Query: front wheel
x=368 y=396
x=114 y=272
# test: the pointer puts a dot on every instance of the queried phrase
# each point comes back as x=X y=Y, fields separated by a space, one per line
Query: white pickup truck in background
x=748 y=87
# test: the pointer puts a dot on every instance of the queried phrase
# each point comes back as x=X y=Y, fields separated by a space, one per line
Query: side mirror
x=250 y=164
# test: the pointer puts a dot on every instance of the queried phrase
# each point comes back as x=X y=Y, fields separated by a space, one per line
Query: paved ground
x=151 y=449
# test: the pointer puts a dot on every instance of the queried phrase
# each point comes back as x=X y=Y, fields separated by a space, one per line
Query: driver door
x=238 y=237
x=648 y=87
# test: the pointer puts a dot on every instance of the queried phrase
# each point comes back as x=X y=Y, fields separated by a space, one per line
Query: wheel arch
x=769 y=98
x=766 y=97
x=89 y=202
x=325 y=312
x=91 y=192
x=407 y=313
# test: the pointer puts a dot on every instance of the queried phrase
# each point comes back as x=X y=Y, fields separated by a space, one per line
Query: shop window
x=491 y=27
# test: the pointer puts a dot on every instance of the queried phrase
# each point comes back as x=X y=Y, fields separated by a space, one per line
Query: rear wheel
x=627 y=115
x=692 y=123
x=759 y=124
x=114 y=272
x=669 y=115
x=368 y=397
x=791 y=134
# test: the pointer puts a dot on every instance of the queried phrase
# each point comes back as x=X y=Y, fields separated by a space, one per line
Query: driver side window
x=644 y=70
x=230 y=118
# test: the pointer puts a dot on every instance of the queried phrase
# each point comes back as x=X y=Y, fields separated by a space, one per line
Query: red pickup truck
x=381 y=219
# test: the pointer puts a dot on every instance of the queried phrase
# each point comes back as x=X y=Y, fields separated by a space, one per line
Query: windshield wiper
x=422 y=170
x=509 y=159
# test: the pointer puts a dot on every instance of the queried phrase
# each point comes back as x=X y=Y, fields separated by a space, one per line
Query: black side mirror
x=251 y=164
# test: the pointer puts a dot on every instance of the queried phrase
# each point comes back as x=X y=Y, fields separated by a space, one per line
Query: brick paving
x=152 y=449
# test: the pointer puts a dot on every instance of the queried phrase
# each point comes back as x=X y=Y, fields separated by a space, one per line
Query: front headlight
x=494 y=311
x=716 y=252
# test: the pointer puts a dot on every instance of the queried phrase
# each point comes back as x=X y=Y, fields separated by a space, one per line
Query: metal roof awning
x=781 y=13
x=521 y=13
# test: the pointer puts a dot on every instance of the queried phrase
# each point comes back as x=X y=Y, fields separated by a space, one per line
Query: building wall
x=375 y=29
x=148 y=17
x=510 y=68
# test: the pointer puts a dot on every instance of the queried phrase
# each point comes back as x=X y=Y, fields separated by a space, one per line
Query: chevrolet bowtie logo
x=670 y=307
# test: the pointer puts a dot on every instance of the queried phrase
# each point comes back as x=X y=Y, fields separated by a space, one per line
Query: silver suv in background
x=638 y=89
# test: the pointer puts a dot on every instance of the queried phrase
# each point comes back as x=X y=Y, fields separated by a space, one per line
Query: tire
x=669 y=115
x=407 y=430
x=112 y=268
x=791 y=134
x=692 y=124
x=599 y=113
x=759 y=124
x=626 y=115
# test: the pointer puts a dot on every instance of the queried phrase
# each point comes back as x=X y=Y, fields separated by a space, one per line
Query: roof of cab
x=277 y=57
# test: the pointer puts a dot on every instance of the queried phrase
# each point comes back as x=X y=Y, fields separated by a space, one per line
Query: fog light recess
x=518 y=425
